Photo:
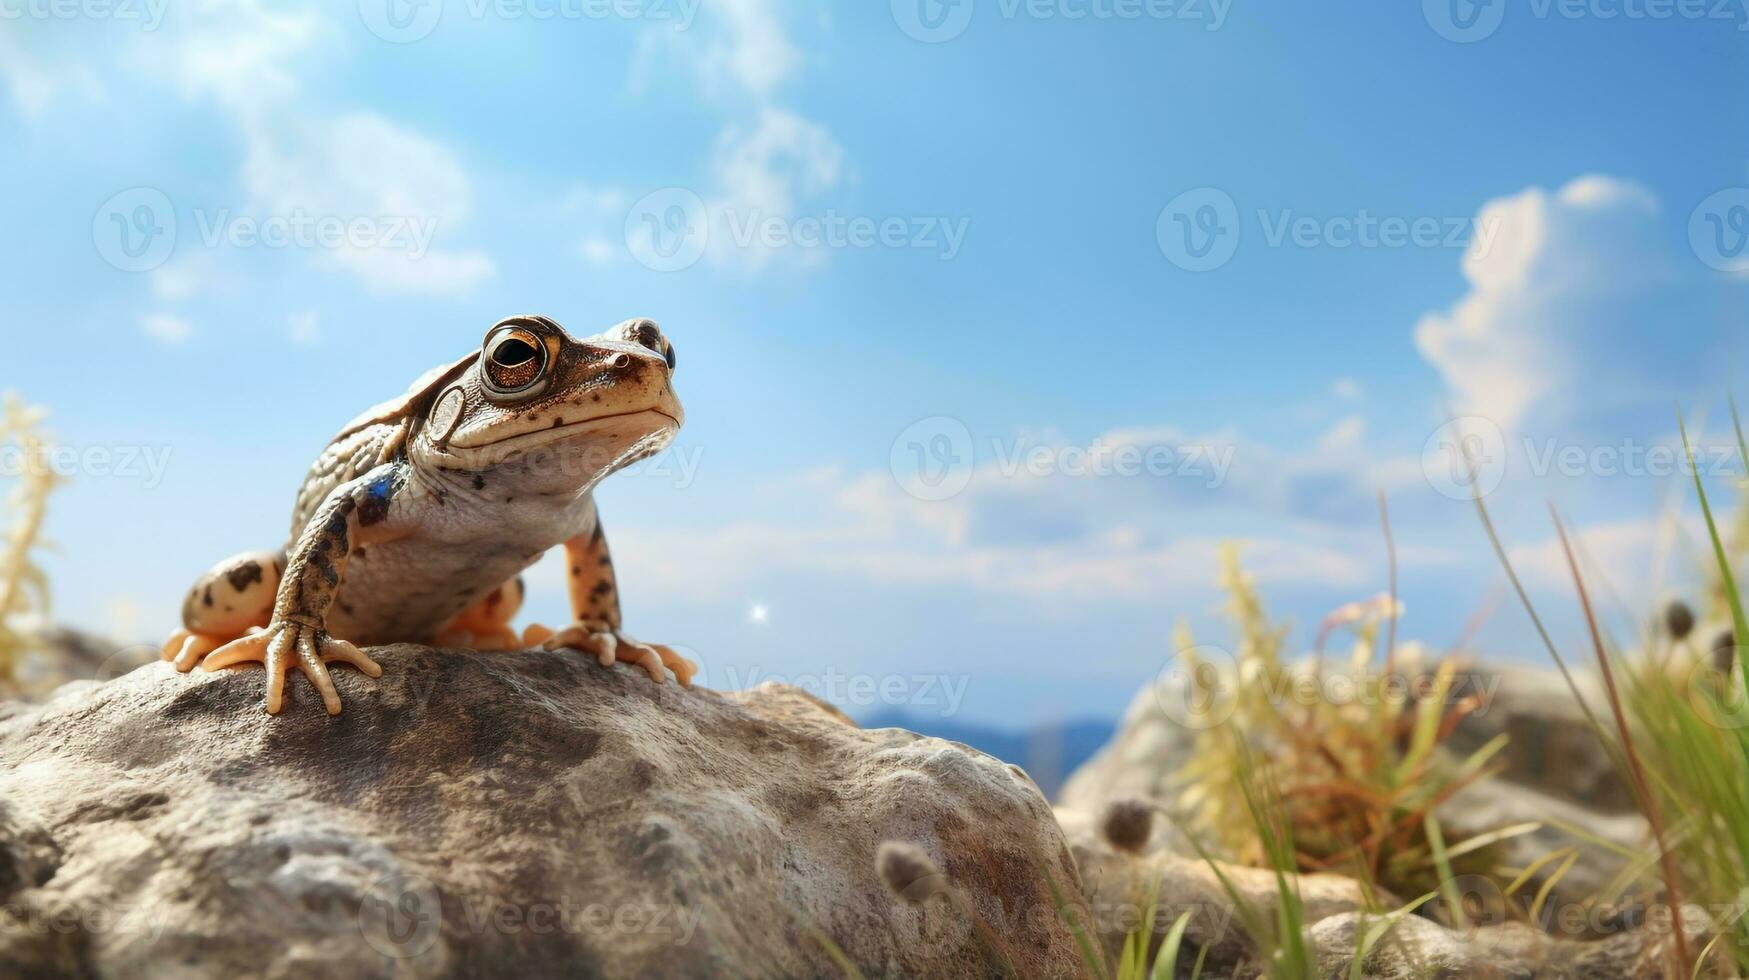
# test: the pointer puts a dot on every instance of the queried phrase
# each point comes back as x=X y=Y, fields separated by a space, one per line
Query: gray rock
x=1552 y=745
x=518 y=814
x=1582 y=944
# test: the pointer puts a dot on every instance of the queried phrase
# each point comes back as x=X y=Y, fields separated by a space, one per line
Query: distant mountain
x=1048 y=753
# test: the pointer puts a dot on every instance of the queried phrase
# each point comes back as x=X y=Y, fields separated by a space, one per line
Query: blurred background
x=995 y=318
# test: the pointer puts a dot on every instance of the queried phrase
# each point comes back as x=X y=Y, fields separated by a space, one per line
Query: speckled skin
x=417 y=520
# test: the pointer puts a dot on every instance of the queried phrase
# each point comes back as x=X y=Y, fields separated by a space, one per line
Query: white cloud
x=166 y=329
x=1578 y=307
x=597 y=251
x=244 y=56
x=1630 y=559
x=239 y=53
x=1347 y=389
x=360 y=167
x=37 y=76
x=1307 y=518
x=768 y=161
x=740 y=47
x=767 y=171
x=781 y=158
x=304 y=329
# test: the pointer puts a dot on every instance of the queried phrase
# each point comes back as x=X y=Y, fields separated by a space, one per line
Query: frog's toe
x=657 y=660
x=185 y=648
x=587 y=637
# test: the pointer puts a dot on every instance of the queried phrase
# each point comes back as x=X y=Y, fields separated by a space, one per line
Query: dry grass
x=24 y=589
x=1356 y=778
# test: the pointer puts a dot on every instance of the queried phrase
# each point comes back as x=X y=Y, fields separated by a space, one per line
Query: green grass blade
x=1166 y=964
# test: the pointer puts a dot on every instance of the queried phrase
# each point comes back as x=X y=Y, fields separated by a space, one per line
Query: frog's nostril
x=621 y=360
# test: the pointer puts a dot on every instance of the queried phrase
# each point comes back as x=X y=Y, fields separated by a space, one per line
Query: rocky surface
x=1596 y=947
x=1555 y=769
x=520 y=814
x=1555 y=773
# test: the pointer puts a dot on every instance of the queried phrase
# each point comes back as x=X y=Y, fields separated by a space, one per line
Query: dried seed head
x=1678 y=619
x=909 y=872
x=1724 y=652
x=1127 y=825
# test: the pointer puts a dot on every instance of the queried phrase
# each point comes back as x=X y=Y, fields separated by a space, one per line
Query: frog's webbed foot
x=285 y=645
x=608 y=645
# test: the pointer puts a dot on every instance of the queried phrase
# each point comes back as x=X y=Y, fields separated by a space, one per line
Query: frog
x=417 y=521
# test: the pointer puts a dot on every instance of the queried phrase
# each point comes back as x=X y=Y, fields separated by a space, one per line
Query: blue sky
x=1536 y=226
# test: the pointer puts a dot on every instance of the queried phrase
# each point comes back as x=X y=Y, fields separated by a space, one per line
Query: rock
x=1137 y=764
x=1551 y=746
x=1117 y=885
x=1415 y=948
x=1555 y=772
x=1494 y=803
x=514 y=814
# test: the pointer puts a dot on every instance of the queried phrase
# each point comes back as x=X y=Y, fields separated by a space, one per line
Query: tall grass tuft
x=1354 y=779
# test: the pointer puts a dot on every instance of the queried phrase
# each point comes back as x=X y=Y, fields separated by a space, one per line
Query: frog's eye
x=513 y=361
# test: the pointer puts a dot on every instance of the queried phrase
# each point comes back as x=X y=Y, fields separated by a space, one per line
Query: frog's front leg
x=354 y=513
x=595 y=603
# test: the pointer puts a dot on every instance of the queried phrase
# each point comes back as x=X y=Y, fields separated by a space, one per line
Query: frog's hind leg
x=232 y=600
x=485 y=625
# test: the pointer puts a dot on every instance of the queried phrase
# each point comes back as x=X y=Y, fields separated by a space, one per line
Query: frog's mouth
x=638 y=422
